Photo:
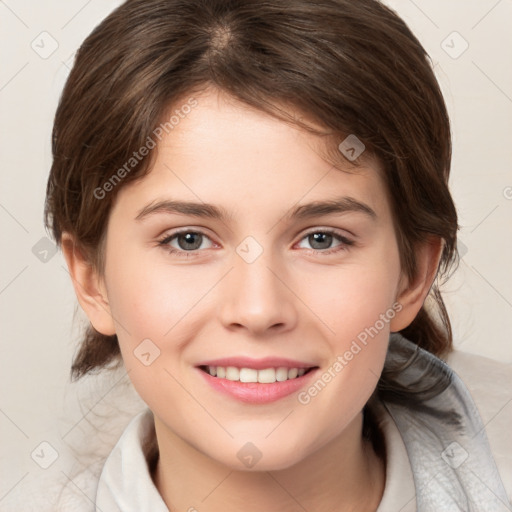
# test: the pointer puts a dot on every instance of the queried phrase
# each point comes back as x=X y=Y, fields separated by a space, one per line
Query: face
x=253 y=278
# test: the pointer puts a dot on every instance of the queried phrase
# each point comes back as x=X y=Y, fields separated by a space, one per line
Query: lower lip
x=255 y=392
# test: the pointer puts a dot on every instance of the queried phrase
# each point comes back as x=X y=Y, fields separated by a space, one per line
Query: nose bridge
x=255 y=296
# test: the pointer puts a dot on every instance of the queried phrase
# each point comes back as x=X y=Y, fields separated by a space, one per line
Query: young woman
x=252 y=201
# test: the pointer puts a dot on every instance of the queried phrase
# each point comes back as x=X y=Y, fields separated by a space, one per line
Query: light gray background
x=36 y=298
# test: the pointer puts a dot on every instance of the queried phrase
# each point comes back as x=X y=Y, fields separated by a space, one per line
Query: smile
x=263 y=376
x=256 y=386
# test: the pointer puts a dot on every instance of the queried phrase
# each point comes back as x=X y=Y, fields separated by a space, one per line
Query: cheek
x=363 y=301
x=359 y=313
x=359 y=316
x=352 y=298
x=154 y=308
x=150 y=300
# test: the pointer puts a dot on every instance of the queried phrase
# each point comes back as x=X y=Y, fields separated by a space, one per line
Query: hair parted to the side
x=352 y=67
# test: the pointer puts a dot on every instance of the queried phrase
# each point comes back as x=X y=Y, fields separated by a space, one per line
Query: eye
x=320 y=240
x=187 y=242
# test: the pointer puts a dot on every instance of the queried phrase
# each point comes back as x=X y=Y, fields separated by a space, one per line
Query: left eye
x=322 y=240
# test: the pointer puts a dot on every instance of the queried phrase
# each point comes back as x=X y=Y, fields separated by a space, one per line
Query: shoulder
x=490 y=385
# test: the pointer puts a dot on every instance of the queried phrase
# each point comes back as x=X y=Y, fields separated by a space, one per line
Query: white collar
x=125 y=482
x=399 y=491
x=126 y=485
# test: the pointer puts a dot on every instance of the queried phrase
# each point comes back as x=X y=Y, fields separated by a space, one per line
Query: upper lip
x=257 y=364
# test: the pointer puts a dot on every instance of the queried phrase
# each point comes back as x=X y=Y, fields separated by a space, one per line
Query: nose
x=256 y=297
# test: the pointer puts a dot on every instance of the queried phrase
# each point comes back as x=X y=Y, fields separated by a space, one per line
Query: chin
x=256 y=457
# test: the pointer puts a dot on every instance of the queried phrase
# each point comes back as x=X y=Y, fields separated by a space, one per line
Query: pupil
x=189 y=239
x=321 y=238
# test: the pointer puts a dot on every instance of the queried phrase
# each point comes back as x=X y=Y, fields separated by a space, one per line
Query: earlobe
x=412 y=293
x=89 y=287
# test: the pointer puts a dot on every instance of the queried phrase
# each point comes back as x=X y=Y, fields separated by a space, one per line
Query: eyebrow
x=338 y=205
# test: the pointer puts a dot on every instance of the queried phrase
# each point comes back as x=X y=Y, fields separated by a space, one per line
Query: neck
x=343 y=475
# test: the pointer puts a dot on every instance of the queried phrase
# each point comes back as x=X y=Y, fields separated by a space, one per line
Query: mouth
x=257 y=380
x=252 y=375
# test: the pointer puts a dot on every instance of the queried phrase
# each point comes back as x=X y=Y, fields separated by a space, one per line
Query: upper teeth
x=266 y=376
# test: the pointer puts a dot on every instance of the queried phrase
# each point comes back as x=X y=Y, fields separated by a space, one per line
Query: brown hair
x=353 y=67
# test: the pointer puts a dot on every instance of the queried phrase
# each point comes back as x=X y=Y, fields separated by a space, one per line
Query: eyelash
x=345 y=242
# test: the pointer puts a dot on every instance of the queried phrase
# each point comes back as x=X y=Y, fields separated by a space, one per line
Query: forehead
x=225 y=152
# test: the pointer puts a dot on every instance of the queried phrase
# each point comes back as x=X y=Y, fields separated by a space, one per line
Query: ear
x=89 y=287
x=412 y=293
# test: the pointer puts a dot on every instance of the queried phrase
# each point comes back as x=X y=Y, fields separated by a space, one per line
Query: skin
x=292 y=301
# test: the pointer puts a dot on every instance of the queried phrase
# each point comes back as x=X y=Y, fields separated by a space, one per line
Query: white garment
x=399 y=493
x=125 y=482
x=126 y=485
